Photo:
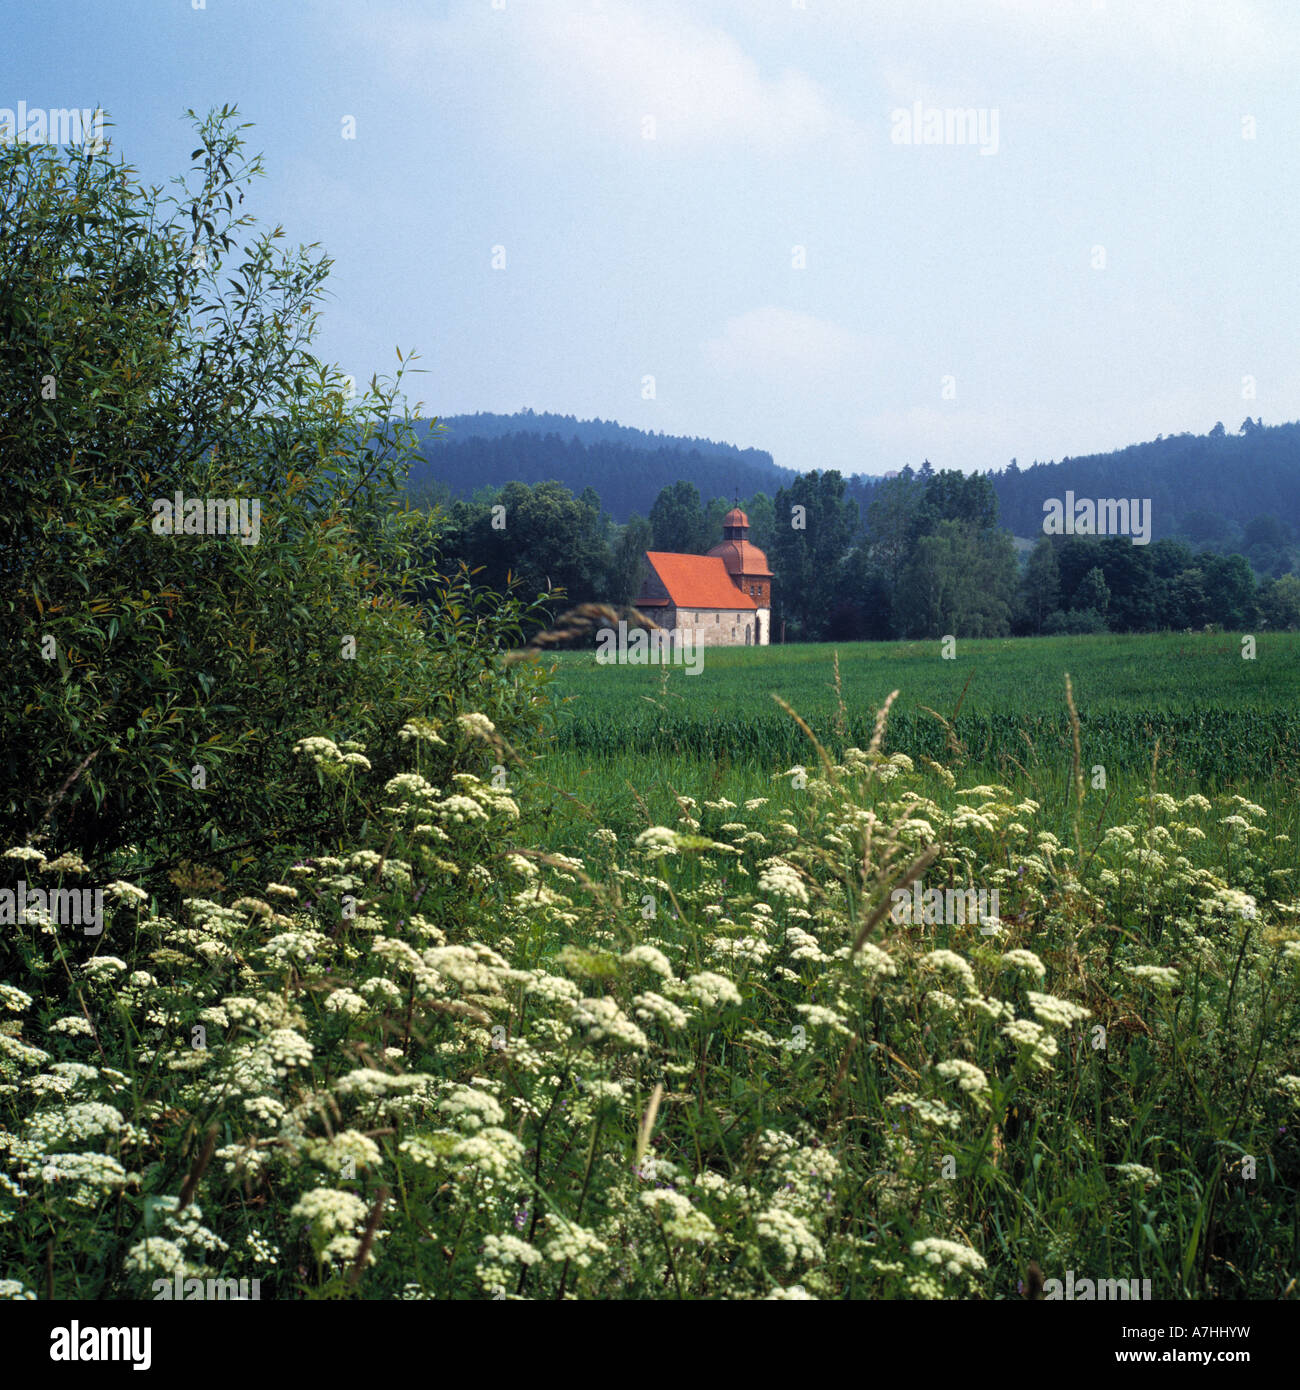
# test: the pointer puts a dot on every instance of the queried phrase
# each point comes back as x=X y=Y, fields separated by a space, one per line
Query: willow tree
x=156 y=359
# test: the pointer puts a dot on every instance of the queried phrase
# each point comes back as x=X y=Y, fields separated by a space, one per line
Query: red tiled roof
x=740 y=557
x=696 y=581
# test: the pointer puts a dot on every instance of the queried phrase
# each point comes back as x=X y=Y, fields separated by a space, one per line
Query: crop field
x=1189 y=708
x=1218 y=717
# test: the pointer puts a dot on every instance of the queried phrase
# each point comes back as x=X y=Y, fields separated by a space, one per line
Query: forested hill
x=1200 y=486
x=627 y=467
x=485 y=425
x=1205 y=488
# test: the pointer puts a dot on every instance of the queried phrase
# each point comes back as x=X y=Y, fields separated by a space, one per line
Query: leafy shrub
x=158 y=680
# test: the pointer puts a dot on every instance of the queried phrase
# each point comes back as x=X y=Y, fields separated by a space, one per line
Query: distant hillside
x=1203 y=487
x=627 y=467
x=1207 y=489
x=485 y=425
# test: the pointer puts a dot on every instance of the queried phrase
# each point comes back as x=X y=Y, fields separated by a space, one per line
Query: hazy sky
x=1114 y=132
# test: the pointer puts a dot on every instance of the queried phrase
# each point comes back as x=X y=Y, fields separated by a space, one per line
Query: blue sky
x=952 y=303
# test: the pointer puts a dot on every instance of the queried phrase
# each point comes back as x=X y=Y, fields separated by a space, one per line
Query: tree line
x=924 y=558
x=1227 y=492
x=628 y=467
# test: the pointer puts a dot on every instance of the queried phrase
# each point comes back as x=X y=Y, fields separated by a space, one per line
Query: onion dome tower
x=747 y=566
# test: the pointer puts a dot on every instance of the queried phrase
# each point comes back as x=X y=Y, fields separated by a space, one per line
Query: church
x=724 y=597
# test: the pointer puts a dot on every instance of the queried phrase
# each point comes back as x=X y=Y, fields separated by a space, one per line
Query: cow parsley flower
x=575 y=1245
x=651 y=958
x=286 y=1050
x=1137 y=1174
x=74 y=1025
x=1061 y=1013
x=330 y=1210
x=1230 y=902
x=421 y=731
x=155 y=1253
x=790 y=1234
x=713 y=991
x=1031 y=1036
x=954 y=964
x=1026 y=961
x=604 y=1020
x=876 y=964
x=650 y=1007
x=97 y=1170
x=929 y=1112
x=319 y=749
x=949 y=1255
x=121 y=891
x=21 y=1052
x=460 y=810
x=818 y=1016
x=657 y=841
x=25 y=853
x=499 y=1257
x=969 y=1078
x=348 y=1149
x=86 y=1120
x=471 y=1108
x=1158 y=976
x=344 y=1001
x=781 y=880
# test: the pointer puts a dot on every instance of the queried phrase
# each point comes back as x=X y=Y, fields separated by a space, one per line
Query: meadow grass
x=1187 y=711
x=616 y=1023
x=1220 y=718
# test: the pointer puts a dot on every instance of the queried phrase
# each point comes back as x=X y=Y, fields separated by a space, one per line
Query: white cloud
x=627 y=61
x=598 y=72
x=1189 y=34
x=785 y=347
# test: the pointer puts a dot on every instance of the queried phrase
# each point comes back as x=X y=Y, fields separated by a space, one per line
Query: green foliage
x=1218 y=717
x=628 y=467
x=809 y=548
x=627 y=562
x=1040 y=587
x=890 y=521
x=1092 y=592
x=1279 y=602
x=479 y=1033
x=678 y=522
x=158 y=680
x=1206 y=488
x=959 y=579
x=761 y=512
x=540 y=540
x=949 y=495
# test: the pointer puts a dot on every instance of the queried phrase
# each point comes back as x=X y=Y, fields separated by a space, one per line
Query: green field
x=1218 y=716
x=1223 y=723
